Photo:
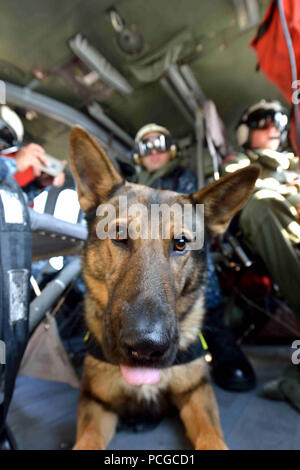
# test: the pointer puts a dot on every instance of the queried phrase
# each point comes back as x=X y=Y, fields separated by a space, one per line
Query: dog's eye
x=180 y=244
x=121 y=234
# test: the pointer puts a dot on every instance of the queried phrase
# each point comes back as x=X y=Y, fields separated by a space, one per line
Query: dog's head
x=146 y=286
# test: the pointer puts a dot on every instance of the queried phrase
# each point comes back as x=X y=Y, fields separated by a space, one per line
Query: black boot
x=230 y=368
x=286 y=387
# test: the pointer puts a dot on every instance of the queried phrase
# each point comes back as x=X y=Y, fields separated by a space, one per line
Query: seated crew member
x=161 y=167
x=21 y=159
x=270 y=218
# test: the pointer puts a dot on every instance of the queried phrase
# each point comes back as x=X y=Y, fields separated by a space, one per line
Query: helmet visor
x=263 y=118
x=161 y=143
x=8 y=136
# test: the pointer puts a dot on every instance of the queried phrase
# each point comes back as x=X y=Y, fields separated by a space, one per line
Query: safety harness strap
x=15 y=266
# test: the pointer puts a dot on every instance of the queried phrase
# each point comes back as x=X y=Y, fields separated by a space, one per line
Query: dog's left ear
x=95 y=175
x=223 y=198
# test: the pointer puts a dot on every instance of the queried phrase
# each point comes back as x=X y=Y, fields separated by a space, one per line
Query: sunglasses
x=161 y=143
x=262 y=119
x=8 y=137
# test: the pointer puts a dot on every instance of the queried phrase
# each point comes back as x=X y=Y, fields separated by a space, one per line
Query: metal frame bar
x=193 y=84
x=97 y=62
x=192 y=96
x=48 y=223
x=199 y=130
x=60 y=112
x=247 y=13
x=176 y=100
x=52 y=292
x=97 y=112
x=182 y=88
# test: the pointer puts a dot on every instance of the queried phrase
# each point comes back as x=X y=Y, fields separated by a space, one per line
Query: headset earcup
x=137 y=160
x=173 y=151
x=242 y=134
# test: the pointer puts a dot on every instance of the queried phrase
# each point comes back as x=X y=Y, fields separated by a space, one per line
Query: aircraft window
x=67 y=206
x=40 y=202
x=57 y=262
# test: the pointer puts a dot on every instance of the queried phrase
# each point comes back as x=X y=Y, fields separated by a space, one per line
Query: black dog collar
x=194 y=351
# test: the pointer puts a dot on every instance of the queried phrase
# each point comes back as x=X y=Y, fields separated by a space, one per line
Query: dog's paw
x=211 y=444
x=89 y=441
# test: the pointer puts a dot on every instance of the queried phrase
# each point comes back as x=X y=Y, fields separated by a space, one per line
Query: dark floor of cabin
x=43 y=414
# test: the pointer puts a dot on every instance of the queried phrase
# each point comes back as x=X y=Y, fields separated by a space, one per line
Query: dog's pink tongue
x=140 y=375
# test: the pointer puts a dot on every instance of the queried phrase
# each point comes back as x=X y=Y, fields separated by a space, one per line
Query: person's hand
x=298 y=210
x=48 y=180
x=60 y=179
x=32 y=155
x=296 y=183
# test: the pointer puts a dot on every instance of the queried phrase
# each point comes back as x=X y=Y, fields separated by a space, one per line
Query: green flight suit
x=269 y=220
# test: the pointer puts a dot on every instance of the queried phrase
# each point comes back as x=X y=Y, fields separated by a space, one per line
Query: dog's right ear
x=223 y=198
x=95 y=175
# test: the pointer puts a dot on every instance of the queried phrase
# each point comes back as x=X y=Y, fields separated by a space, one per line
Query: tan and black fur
x=145 y=281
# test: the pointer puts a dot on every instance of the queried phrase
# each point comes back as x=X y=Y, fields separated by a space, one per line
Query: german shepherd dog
x=145 y=305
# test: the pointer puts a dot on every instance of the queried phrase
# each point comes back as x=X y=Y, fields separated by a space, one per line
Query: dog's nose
x=139 y=345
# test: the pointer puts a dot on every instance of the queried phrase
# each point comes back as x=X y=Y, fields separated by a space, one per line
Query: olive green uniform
x=269 y=220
